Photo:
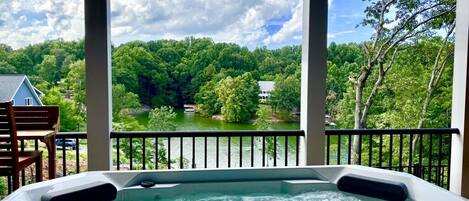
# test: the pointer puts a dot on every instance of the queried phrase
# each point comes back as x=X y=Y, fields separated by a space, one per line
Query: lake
x=192 y=121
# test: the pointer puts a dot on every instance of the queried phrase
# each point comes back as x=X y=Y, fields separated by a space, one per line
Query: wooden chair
x=13 y=161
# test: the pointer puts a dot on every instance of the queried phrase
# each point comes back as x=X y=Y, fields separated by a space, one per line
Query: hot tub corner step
x=300 y=186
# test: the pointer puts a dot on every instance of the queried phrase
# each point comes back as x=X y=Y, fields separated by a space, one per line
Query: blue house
x=18 y=89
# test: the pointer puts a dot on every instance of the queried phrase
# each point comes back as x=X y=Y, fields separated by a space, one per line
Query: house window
x=28 y=101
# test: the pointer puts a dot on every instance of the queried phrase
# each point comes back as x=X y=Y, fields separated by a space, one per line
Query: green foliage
x=207 y=99
x=239 y=97
x=286 y=93
x=262 y=122
x=6 y=68
x=123 y=102
x=70 y=119
x=48 y=69
x=162 y=119
x=198 y=70
x=21 y=62
x=75 y=82
x=399 y=102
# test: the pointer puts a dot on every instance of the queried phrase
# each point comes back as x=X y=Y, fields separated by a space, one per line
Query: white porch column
x=98 y=83
x=313 y=79
x=459 y=180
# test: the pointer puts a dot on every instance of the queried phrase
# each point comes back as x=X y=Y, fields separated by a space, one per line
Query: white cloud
x=244 y=22
x=341 y=33
x=33 y=21
x=290 y=29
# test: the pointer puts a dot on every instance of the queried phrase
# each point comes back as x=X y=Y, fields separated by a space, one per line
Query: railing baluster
x=370 y=151
x=411 y=162
x=263 y=151
x=205 y=151
x=229 y=151
x=131 y=154
x=218 y=151
x=193 y=152
x=77 y=154
x=328 y=149
x=275 y=151
x=36 y=144
x=430 y=158
x=339 y=144
x=181 y=153
x=23 y=178
x=380 y=158
x=297 y=151
x=286 y=150
x=118 y=154
x=240 y=151
x=360 y=149
x=64 y=158
x=252 y=151
x=421 y=154
x=157 y=151
x=9 y=184
x=349 y=149
x=440 y=147
x=449 y=161
x=143 y=153
x=390 y=150
x=401 y=146
x=169 y=153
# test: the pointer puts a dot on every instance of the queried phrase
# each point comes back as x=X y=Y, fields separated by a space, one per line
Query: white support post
x=313 y=80
x=98 y=83
x=459 y=178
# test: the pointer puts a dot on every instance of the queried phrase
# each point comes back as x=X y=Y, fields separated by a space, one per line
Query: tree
x=239 y=97
x=413 y=18
x=123 y=102
x=286 y=93
x=6 y=68
x=141 y=73
x=47 y=69
x=22 y=63
x=70 y=120
x=207 y=100
x=162 y=119
x=262 y=121
x=439 y=66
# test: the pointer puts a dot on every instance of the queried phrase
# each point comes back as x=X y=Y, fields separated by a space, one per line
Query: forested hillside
x=173 y=73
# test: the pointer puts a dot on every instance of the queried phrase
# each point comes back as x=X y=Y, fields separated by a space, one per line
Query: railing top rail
x=150 y=134
x=81 y=135
x=424 y=131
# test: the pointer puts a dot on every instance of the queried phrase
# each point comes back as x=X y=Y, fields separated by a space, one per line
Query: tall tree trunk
x=438 y=69
x=360 y=85
x=361 y=110
x=376 y=53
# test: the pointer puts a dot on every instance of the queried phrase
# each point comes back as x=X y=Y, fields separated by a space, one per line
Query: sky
x=250 y=23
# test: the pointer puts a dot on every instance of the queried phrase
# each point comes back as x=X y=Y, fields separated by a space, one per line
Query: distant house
x=266 y=87
x=18 y=89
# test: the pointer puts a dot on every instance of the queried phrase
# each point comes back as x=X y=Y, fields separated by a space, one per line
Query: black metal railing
x=80 y=138
x=203 y=149
x=394 y=149
x=64 y=157
x=425 y=153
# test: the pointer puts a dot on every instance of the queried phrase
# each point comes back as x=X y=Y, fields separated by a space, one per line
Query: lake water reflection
x=193 y=122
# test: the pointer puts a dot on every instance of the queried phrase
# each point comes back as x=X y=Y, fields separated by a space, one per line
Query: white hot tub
x=289 y=183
